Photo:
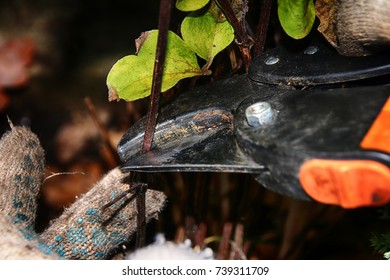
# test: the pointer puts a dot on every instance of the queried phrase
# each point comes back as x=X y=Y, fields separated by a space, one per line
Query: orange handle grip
x=348 y=183
x=378 y=136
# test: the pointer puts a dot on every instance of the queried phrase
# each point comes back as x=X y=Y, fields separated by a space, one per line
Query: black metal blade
x=202 y=141
x=195 y=132
x=317 y=64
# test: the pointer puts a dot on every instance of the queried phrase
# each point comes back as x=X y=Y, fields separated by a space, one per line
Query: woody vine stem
x=151 y=119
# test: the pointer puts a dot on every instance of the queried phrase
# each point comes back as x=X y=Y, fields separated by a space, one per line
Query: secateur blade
x=195 y=132
x=208 y=129
x=316 y=64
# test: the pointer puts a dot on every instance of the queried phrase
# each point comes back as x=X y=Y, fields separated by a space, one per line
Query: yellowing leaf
x=296 y=17
x=190 y=5
x=206 y=34
x=131 y=77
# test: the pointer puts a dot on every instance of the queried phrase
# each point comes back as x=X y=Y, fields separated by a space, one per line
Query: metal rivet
x=311 y=50
x=272 y=60
x=259 y=113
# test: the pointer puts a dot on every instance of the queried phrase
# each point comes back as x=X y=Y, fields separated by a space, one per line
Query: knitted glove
x=83 y=231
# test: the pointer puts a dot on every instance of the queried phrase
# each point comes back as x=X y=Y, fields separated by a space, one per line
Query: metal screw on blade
x=259 y=113
x=311 y=50
x=271 y=60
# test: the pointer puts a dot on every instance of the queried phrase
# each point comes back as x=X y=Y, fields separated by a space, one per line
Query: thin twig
x=224 y=245
x=180 y=235
x=62 y=173
x=151 y=119
x=138 y=191
x=112 y=157
x=141 y=214
x=262 y=27
x=238 y=243
x=200 y=236
x=119 y=197
x=237 y=251
x=239 y=27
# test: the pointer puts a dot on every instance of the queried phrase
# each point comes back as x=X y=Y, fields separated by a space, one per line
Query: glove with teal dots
x=84 y=230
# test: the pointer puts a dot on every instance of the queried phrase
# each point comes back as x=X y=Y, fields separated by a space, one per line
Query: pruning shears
x=309 y=124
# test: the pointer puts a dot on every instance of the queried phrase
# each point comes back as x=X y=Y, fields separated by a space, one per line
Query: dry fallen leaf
x=326 y=11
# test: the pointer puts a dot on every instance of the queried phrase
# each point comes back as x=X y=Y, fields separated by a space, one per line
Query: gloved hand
x=83 y=231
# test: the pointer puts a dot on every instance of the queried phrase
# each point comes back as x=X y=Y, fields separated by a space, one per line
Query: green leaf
x=131 y=77
x=190 y=5
x=206 y=34
x=296 y=17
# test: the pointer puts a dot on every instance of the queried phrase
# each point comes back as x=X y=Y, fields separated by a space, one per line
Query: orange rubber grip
x=348 y=183
x=378 y=136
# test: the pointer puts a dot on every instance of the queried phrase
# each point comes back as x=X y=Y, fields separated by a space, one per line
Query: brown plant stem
x=111 y=156
x=151 y=119
x=119 y=197
x=239 y=27
x=141 y=214
x=238 y=241
x=262 y=27
x=224 y=245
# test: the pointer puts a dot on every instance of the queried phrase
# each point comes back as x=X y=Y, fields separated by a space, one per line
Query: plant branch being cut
x=151 y=119
x=262 y=27
x=242 y=39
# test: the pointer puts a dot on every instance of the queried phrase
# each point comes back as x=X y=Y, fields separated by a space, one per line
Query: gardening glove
x=83 y=231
